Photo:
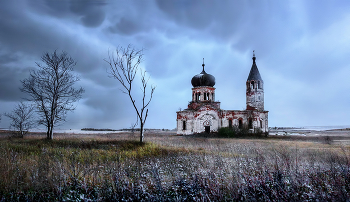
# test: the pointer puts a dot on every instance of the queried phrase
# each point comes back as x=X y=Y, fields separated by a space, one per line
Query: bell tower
x=255 y=89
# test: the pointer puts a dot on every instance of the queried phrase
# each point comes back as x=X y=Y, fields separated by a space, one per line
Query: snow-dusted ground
x=323 y=128
x=308 y=130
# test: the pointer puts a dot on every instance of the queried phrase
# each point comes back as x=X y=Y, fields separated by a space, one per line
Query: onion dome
x=254 y=72
x=203 y=79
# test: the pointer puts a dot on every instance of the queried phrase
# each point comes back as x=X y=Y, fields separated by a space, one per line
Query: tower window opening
x=260 y=124
x=199 y=96
x=183 y=125
x=213 y=97
x=252 y=84
x=205 y=96
x=259 y=84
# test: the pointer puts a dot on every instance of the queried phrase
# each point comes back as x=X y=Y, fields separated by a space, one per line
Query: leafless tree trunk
x=124 y=65
x=51 y=89
x=22 y=118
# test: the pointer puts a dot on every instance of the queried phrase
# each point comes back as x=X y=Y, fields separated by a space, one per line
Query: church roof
x=203 y=79
x=254 y=72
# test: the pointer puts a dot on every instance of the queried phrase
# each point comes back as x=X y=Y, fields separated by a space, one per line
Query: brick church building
x=203 y=113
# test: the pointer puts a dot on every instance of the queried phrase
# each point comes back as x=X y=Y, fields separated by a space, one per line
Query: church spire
x=254 y=72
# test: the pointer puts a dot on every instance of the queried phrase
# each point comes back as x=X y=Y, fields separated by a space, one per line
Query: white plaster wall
x=204 y=116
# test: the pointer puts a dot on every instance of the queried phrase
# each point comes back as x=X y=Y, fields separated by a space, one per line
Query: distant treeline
x=96 y=129
x=283 y=128
x=124 y=129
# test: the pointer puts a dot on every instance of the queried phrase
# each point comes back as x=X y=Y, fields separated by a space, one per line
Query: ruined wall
x=195 y=121
x=259 y=119
x=185 y=122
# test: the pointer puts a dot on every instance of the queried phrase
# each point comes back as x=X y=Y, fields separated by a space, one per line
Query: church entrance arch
x=207 y=122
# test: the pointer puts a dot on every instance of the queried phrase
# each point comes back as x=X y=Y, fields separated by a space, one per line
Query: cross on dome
x=203 y=64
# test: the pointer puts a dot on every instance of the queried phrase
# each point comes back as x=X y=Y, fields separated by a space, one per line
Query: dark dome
x=203 y=79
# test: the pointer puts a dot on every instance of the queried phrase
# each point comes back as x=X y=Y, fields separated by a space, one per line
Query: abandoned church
x=204 y=114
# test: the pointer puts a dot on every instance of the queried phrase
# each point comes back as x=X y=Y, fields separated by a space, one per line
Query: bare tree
x=22 y=118
x=124 y=65
x=51 y=88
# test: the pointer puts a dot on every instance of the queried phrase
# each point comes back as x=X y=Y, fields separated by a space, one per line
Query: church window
x=252 y=84
x=260 y=85
x=240 y=124
x=250 y=124
x=205 y=96
x=260 y=124
x=183 y=125
x=212 y=95
x=230 y=123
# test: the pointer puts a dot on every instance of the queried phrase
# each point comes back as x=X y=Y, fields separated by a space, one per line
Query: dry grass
x=171 y=168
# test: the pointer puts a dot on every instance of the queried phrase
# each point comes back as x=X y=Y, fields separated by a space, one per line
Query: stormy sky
x=302 y=50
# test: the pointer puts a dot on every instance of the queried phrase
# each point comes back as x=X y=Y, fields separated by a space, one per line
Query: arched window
x=183 y=125
x=252 y=84
x=250 y=125
x=230 y=123
x=240 y=124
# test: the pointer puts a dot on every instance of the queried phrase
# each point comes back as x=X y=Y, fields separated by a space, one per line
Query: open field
x=115 y=167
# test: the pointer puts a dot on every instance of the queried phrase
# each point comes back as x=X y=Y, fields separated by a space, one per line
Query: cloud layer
x=301 y=50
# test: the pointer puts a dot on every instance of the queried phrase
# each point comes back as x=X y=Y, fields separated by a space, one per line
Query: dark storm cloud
x=301 y=49
x=10 y=83
x=89 y=12
x=125 y=26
